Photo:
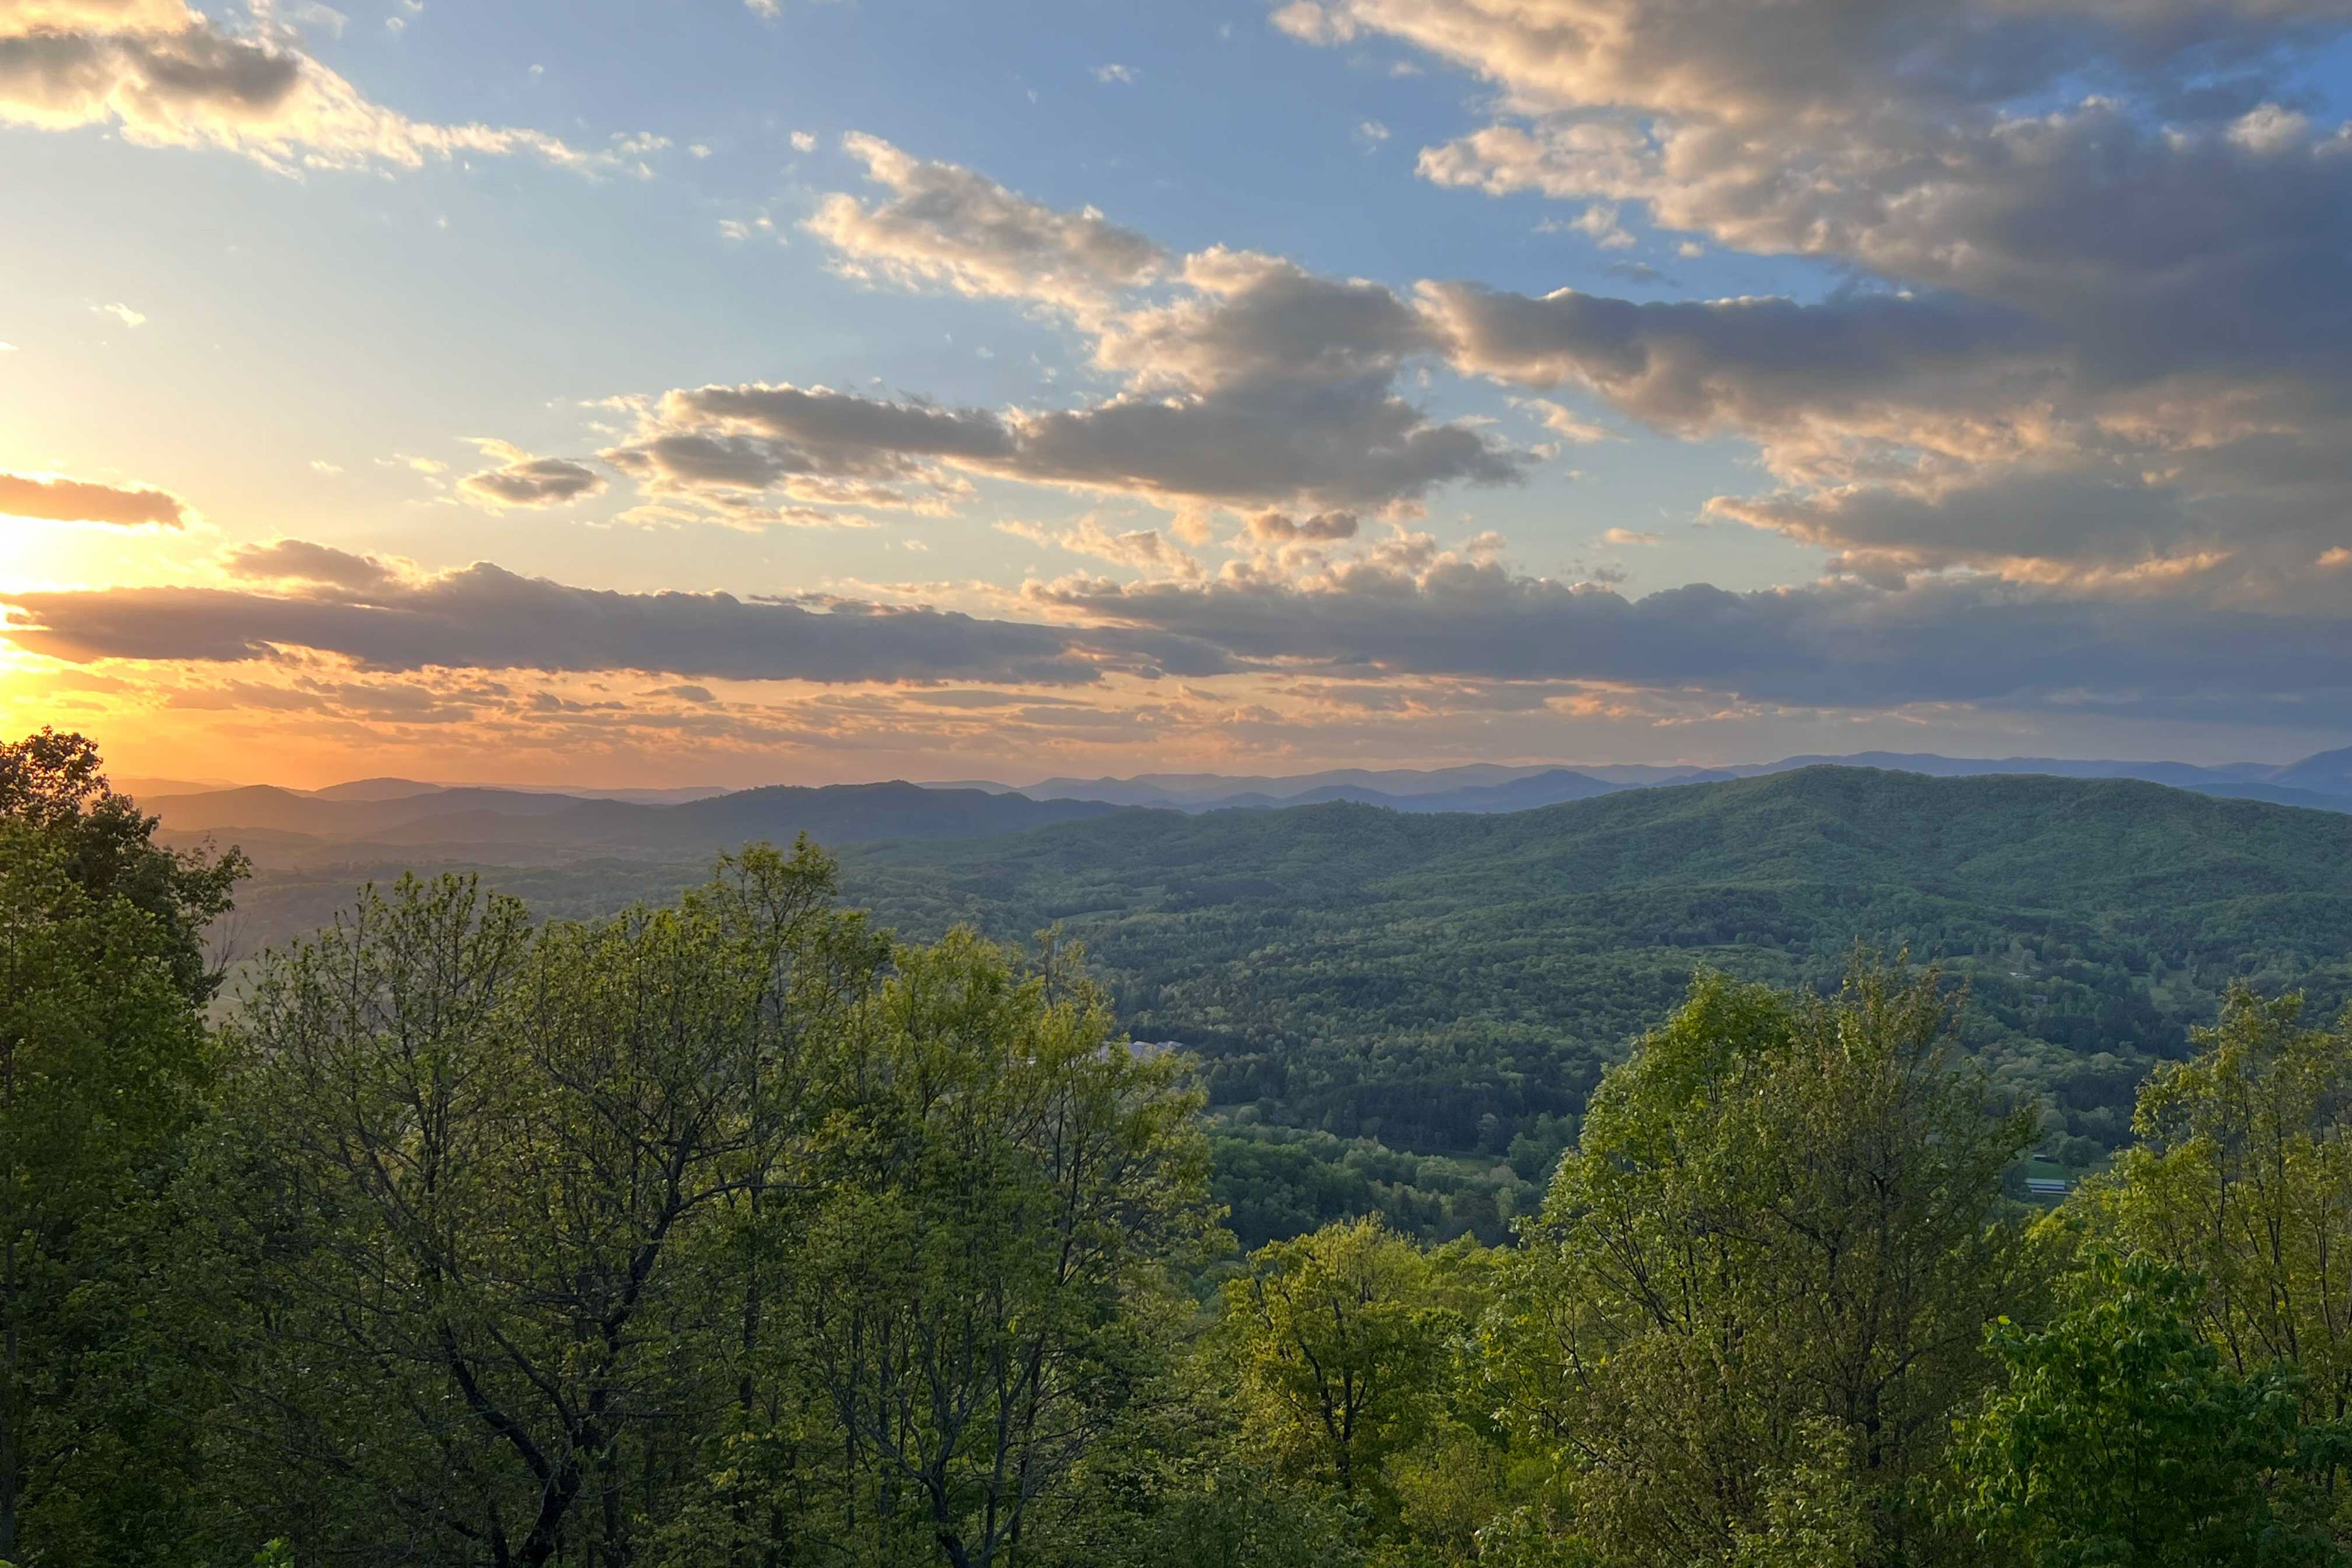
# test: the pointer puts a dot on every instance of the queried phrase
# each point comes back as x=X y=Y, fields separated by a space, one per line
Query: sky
x=664 y=392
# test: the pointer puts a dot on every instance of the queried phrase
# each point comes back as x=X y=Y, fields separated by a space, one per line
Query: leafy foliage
x=2243 y=1178
x=1442 y=984
x=1759 y=1286
x=102 y=1068
x=734 y=1233
x=2120 y=1439
x=1339 y=1341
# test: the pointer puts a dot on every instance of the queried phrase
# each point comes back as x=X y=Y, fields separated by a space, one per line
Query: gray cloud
x=2023 y=514
x=526 y=481
x=1698 y=368
x=728 y=446
x=1840 y=645
x=483 y=617
x=166 y=75
x=1259 y=383
x=2118 y=257
x=946 y=225
x=1343 y=444
x=839 y=432
x=300 y=561
x=1249 y=439
x=1401 y=609
x=1321 y=528
x=85 y=501
x=1249 y=319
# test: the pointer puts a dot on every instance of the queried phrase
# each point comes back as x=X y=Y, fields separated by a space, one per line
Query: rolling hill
x=1439 y=981
x=1448 y=981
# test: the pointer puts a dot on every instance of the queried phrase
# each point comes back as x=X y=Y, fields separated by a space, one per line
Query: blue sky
x=1728 y=389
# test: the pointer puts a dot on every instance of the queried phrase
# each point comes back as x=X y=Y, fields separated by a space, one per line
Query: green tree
x=2243 y=1177
x=986 y=1282
x=2122 y=1440
x=1240 y=1515
x=56 y=785
x=101 y=1069
x=1757 y=1292
x=1340 y=1342
x=485 y=1174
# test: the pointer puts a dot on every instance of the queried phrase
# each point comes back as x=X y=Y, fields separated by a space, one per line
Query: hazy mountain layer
x=283 y=828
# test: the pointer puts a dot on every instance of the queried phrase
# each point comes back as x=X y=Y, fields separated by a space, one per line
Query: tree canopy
x=734 y=1231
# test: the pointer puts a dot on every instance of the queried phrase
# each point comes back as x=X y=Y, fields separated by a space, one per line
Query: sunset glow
x=735 y=394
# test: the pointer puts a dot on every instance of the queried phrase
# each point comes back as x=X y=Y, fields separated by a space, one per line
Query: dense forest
x=1403 y=1015
x=731 y=1228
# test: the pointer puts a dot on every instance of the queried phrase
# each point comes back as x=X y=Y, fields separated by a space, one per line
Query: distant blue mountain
x=2322 y=781
x=2329 y=772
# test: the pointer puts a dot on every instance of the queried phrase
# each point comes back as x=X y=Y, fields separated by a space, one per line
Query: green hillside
x=1441 y=983
x=1405 y=1012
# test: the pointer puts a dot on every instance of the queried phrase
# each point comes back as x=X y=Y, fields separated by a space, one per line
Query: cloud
x=121 y=312
x=1347 y=444
x=1639 y=272
x=1599 y=223
x=1260 y=382
x=1935 y=430
x=85 y=501
x=1565 y=423
x=1410 y=610
x=1257 y=383
x=731 y=447
x=165 y=75
x=1748 y=364
x=1109 y=74
x=1322 y=528
x=1438 y=627
x=528 y=481
x=26 y=18
x=1144 y=549
x=2097 y=254
x=484 y=617
x=1248 y=318
x=945 y=226
x=300 y=561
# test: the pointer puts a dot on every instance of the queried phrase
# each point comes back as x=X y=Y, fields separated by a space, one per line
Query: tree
x=56 y=786
x=102 y=1067
x=1239 y=1515
x=2122 y=1440
x=1757 y=1291
x=484 y=1164
x=1340 y=1341
x=2243 y=1177
x=986 y=1281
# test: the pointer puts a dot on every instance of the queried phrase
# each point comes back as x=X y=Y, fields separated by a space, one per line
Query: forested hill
x=1445 y=981
x=1454 y=983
